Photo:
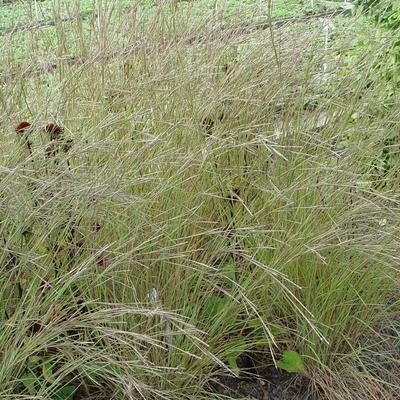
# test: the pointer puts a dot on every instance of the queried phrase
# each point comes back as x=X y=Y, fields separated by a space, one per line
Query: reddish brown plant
x=103 y=262
x=23 y=127
x=55 y=131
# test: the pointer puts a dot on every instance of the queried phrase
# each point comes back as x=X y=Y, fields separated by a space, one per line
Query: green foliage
x=291 y=361
x=29 y=381
x=64 y=393
x=214 y=305
x=33 y=382
x=39 y=373
x=385 y=12
x=233 y=349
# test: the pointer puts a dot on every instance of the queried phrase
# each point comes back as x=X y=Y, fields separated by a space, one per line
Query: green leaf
x=47 y=371
x=65 y=393
x=42 y=249
x=34 y=360
x=233 y=350
x=29 y=380
x=291 y=361
x=232 y=360
x=214 y=305
x=228 y=271
x=343 y=144
x=258 y=332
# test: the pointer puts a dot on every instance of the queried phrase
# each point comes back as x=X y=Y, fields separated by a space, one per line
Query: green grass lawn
x=209 y=193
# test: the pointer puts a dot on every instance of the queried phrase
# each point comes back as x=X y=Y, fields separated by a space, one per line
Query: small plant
x=291 y=361
x=39 y=374
x=23 y=127
x=58 y=142
x=64 y=393
x=55 y=131
x=23 y=130
x=56 y=138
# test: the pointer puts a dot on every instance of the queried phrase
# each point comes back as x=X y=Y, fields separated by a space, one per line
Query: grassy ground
x=213 y=193
x=19 y=19
x=20 y=12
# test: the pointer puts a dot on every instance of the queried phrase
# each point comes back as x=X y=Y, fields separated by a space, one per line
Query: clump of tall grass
x=214 y=199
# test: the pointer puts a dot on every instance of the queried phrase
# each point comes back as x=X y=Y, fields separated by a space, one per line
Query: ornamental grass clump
x=181 y=219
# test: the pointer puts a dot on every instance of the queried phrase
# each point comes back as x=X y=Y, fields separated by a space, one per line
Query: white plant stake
x=327 y=27
x=152 y=296
x=36 y=11
x=164 y=322
x=347 y=6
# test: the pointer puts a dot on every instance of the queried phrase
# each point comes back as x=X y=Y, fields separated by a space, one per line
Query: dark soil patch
x=259 y=380
x=380 y=356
